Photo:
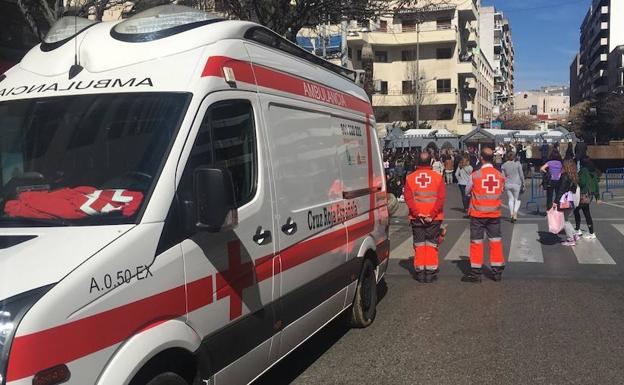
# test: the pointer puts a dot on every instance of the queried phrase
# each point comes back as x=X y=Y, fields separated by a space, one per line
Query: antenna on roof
x=76 y=68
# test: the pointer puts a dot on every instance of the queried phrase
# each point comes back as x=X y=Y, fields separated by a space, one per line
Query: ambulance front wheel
x=168 y=379
x=364 y=306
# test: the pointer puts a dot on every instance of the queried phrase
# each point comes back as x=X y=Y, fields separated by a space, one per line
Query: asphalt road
x=557 y=317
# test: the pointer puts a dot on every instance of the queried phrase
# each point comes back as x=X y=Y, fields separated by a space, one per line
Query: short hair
x=511 y=156
x=424 y=159
x=487 y=154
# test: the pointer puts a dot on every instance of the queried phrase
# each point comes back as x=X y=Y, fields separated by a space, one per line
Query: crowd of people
x=570 y=179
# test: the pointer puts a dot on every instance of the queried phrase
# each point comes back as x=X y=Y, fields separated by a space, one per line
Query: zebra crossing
x=529 y=244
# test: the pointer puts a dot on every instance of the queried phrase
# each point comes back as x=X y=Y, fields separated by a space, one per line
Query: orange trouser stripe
x=425 y=255
x=496 y=253
x=476 y=254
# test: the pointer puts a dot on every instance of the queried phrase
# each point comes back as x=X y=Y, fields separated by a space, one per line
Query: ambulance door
x=230 y=273
x=303 y=147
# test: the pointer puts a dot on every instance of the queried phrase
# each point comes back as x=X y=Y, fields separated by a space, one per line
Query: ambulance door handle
x=262 y=237
x=290 y=227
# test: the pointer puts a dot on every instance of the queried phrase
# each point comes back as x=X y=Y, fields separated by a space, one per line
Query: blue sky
x=546 y=37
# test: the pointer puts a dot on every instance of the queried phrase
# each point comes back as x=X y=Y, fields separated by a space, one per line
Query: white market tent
x=496 y=136
x=422 y=138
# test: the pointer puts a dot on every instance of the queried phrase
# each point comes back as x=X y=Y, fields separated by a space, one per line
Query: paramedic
x=485 y=188
x=424 y=194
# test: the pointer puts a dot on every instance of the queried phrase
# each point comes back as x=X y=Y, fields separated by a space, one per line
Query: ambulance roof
x=113 y=46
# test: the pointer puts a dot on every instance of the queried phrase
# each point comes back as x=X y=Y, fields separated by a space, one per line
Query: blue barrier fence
x=614 y=178
x=536 y=191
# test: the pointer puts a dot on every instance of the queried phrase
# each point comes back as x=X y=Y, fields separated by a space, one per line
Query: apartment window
x=408 y=55
x=444 y=85
x=408 y=25
x=383 y=25
x=445 y=114
x=359 y=55
x=443 y=23
x=444 y=53
x=407 y=87
x=381 y=56
x=383 y=87
x=350 y=52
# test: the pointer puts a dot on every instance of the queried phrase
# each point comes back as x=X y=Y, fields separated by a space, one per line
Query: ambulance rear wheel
x=364 y=306
x=168 y=378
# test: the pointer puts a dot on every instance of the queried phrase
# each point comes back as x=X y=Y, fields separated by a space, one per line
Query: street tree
x=519 y=122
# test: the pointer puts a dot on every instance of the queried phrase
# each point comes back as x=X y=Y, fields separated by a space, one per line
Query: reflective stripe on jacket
x=487 y=187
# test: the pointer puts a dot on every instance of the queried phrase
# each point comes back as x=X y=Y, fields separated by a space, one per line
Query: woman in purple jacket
x=553 y=167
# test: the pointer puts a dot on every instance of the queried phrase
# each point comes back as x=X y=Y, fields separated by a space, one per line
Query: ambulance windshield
x=83 y=159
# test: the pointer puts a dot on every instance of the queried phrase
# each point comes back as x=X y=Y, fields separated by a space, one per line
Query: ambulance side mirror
x=215 y=199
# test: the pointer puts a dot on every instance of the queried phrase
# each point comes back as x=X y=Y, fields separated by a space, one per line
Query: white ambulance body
x=189 y=203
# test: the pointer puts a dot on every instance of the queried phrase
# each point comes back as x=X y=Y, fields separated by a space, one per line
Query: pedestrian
x=552 y=170
x=580 y=152
x=424 y=194
x=464 y=170
x=448 y=169
x=485 y=188
x=589 y=178
x=436 y=165
x=569 y=152
x=514 y=184
x=564 y=199
x=498 y=156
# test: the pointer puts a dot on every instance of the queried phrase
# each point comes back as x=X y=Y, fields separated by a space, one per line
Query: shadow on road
x=291 y=367
x=548 y=238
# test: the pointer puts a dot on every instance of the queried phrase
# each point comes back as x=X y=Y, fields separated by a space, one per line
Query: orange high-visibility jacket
x=424 y=194
x=487 y=187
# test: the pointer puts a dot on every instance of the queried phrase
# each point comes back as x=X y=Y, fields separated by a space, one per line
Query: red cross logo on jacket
x=490 y=184
x=423 y=180
x=232 y=282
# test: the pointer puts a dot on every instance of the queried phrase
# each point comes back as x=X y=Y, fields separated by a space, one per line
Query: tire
x=364 y=308
x=168 y=378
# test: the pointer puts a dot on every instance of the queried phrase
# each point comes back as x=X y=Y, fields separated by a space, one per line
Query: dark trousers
x=588 y=218
x=550 y=193
x=465 y=199
x=426 y=244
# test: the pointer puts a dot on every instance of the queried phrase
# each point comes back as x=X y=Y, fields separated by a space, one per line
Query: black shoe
x=419 y=275
x=474 y=276
x=431 y=275
x=497 y=273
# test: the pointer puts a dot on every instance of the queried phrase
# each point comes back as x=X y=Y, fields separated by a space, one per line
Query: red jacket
x=487 y=187
x=424 y=194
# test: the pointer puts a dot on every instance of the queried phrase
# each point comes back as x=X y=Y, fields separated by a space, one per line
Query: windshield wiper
x=30 y=222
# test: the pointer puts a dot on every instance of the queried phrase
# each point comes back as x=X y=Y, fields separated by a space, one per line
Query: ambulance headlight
x=12 y=310
x=64 y=30
x=162 y=21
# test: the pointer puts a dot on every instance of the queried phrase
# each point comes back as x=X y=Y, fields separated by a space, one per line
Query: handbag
x=555 y=221
x=566 y=201
x=576 y=197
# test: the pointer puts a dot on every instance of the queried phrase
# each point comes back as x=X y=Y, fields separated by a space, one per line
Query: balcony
x=406 y=36
x=395 y=98
x=468 y=10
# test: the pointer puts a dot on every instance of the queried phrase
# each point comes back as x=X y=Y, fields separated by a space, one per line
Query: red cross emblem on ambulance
x=423 y=180
x=490 y=184
x=232 y=282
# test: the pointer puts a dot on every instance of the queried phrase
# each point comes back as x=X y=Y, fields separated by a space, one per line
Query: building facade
x=497 y=46
x=602 y=31
x=616 y=70
x=547 y=104
x=449 y=87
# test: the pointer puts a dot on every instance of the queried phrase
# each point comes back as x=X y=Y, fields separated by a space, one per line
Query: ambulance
x=184 y=200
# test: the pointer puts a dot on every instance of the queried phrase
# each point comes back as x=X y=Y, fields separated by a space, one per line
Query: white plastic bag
x=555 y=220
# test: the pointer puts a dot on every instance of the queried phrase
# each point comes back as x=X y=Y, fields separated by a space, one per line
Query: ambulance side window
x=226 y=139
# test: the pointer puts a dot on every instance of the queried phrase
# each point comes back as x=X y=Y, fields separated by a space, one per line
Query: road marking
x=591 y=252
x=524 y=245
x=613 y=205
x=404 y=250
x=460 y=248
